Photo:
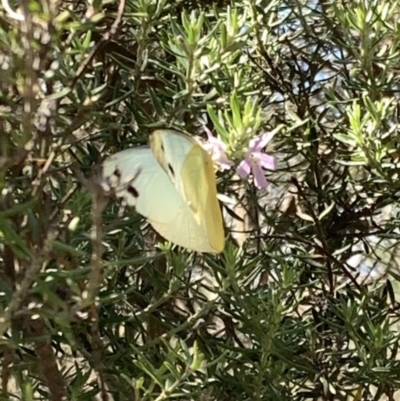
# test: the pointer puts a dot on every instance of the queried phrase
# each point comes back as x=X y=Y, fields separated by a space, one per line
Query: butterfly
x=171 y=183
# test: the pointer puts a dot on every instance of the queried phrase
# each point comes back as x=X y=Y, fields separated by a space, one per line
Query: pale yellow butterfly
x=172 y=184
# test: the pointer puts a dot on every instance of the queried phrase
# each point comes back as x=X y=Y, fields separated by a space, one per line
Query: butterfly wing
x=191 y=170
x=200 y=191
x=140 y=181
x=170 y=148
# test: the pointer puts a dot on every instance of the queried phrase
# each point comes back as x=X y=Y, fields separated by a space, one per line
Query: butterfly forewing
x=140 y=181
x=170 y=149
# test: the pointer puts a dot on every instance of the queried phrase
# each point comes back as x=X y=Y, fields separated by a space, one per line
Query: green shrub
x=302 y=304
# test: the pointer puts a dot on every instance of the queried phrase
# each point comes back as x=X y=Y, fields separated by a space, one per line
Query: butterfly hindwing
x=200 y=193
x=178 y=152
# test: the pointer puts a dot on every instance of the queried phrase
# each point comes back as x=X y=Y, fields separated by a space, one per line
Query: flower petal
x=214 y=140
x=243 y=169
x=267 y=161
x=259 y=178
x=216 y=148
x=222 y=159
x=258 y=143
x=208 y=132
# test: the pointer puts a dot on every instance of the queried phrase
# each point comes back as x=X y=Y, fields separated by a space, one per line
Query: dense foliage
x=303 y=303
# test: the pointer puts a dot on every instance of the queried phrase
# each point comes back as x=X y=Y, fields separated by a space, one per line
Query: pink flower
x=217 y=148
x=255 y=160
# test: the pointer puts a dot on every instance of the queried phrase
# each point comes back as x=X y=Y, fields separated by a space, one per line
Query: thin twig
x=320 y=232
x=47 y=360
x=30 y=87
x=105 y=38
x=99 y=201
x=326 y=253
x=97 y=346
x=7 y=360
x=40 y=261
